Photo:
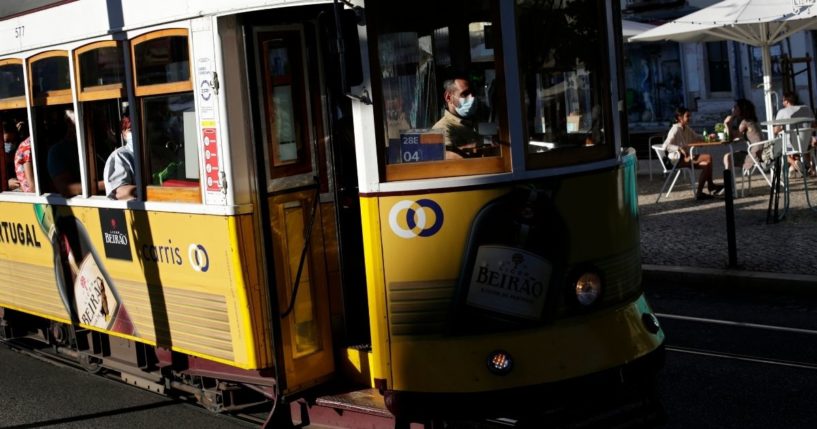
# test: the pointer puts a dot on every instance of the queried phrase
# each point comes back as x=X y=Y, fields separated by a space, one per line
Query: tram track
x=759 y=343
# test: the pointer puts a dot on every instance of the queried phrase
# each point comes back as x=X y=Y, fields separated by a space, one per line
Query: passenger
x=23 y=166
x=456 y=123
x=120 y=183
x=10 y=141
x=681 y=135
x=63 y=161
x=793 y=109
x=748 y=128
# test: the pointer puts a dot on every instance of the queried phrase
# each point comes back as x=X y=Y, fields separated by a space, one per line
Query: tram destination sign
x=420 y=145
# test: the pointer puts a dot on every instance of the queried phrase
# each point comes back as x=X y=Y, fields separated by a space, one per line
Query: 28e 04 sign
x=422 y=145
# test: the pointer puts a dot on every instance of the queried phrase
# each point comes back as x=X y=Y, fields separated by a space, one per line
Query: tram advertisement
x=85 y=287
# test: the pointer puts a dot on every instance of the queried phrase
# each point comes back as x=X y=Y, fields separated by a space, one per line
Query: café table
x=791 y=145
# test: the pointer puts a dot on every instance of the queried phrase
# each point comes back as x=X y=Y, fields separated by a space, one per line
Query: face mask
x=467 y=107
x=129 y=140
x=8 y=147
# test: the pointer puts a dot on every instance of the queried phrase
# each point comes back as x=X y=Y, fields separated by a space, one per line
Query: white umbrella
x=633 y=28
x=759 y=23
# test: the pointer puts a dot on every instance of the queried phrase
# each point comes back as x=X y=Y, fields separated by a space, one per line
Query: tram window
x=49 y=77
x=11 y=83
x=101 y=122
x=12 y=113
x=162 y=60
x=168 y=119
x=170 y=139
x=565 y=78
x=284 y=103
x=100 y=68
x=55 y=138
x=100 y=73
x=15 y=132
x=418 y=54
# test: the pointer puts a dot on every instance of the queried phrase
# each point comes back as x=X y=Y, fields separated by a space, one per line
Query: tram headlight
x=500 y=362
x=588 y=288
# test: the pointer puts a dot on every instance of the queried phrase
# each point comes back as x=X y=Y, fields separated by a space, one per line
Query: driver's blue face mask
x=467 y=106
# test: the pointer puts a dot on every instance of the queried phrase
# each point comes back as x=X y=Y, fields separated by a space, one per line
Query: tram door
x=291 y=122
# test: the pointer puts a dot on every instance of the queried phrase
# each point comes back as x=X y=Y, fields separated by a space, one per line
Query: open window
x=100 y=75
x=565 y=81
x=164 y=88
x=285 y=103
x=14 y=121
x=55 y=139
x=441 y=84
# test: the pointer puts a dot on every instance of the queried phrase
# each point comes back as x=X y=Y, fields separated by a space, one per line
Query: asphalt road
x=737 y=359
x=39 y=394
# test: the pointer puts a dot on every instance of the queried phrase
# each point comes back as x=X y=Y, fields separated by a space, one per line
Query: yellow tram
x=301 y=217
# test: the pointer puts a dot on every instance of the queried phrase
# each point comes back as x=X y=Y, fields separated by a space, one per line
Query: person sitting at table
x=793 y=109
x=675 y=145
x=744 y=115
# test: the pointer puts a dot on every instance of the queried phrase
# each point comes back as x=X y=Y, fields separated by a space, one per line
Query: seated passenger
x=456 y=123
x=23 y=167
x=63 y=161
x=748 y=128
x=120 y=183
x=679 y=137
x=10 y=140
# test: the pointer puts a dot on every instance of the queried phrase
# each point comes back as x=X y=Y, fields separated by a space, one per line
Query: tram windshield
x=565 y=80
x=442 y=91
x=441 y=88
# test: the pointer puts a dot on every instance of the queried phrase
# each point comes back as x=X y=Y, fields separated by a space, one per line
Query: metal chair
x=765 y=168
x=655 y=137
x=671 y=171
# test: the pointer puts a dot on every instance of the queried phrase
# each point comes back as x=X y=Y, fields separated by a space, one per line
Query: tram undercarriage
x=623 y=397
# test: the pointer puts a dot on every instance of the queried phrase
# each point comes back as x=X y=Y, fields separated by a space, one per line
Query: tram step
x=361 y=408
x=367 y=401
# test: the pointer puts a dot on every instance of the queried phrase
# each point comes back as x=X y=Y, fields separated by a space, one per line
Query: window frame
x=160 y=88
x=19 y=101
x=153 y=192
x=292 y=42
x=54 y=97
x=501 y=163
x=98 y=92
x=585 y=154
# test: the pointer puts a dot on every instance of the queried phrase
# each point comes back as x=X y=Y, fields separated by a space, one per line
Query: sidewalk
x=684 y=238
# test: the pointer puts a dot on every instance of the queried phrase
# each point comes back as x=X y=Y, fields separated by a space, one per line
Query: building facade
x=705 y=77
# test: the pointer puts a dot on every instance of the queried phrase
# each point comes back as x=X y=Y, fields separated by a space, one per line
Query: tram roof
x=31 y=24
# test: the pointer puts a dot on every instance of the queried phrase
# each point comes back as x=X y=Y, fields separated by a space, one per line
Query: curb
x=666 y=276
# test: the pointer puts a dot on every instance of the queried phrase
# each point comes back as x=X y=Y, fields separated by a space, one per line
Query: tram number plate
x=510 y=281
x=421 y=145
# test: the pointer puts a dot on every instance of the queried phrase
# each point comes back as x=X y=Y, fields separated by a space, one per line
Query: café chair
x=764 y=167
x=671 y=171
x=653 y=140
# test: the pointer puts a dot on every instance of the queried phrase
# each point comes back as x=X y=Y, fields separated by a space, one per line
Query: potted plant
x=720 y=130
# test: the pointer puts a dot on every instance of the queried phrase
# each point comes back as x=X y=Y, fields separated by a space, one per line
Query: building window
x=717 y=57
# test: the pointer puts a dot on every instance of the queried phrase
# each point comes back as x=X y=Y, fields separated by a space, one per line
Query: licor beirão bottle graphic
x=85 y=287
x=509 y=261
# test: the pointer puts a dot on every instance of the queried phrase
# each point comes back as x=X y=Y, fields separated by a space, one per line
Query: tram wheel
x=59 y=333
x=90 y=363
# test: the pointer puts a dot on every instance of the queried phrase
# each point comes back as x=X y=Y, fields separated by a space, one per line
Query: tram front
x=499 y=214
